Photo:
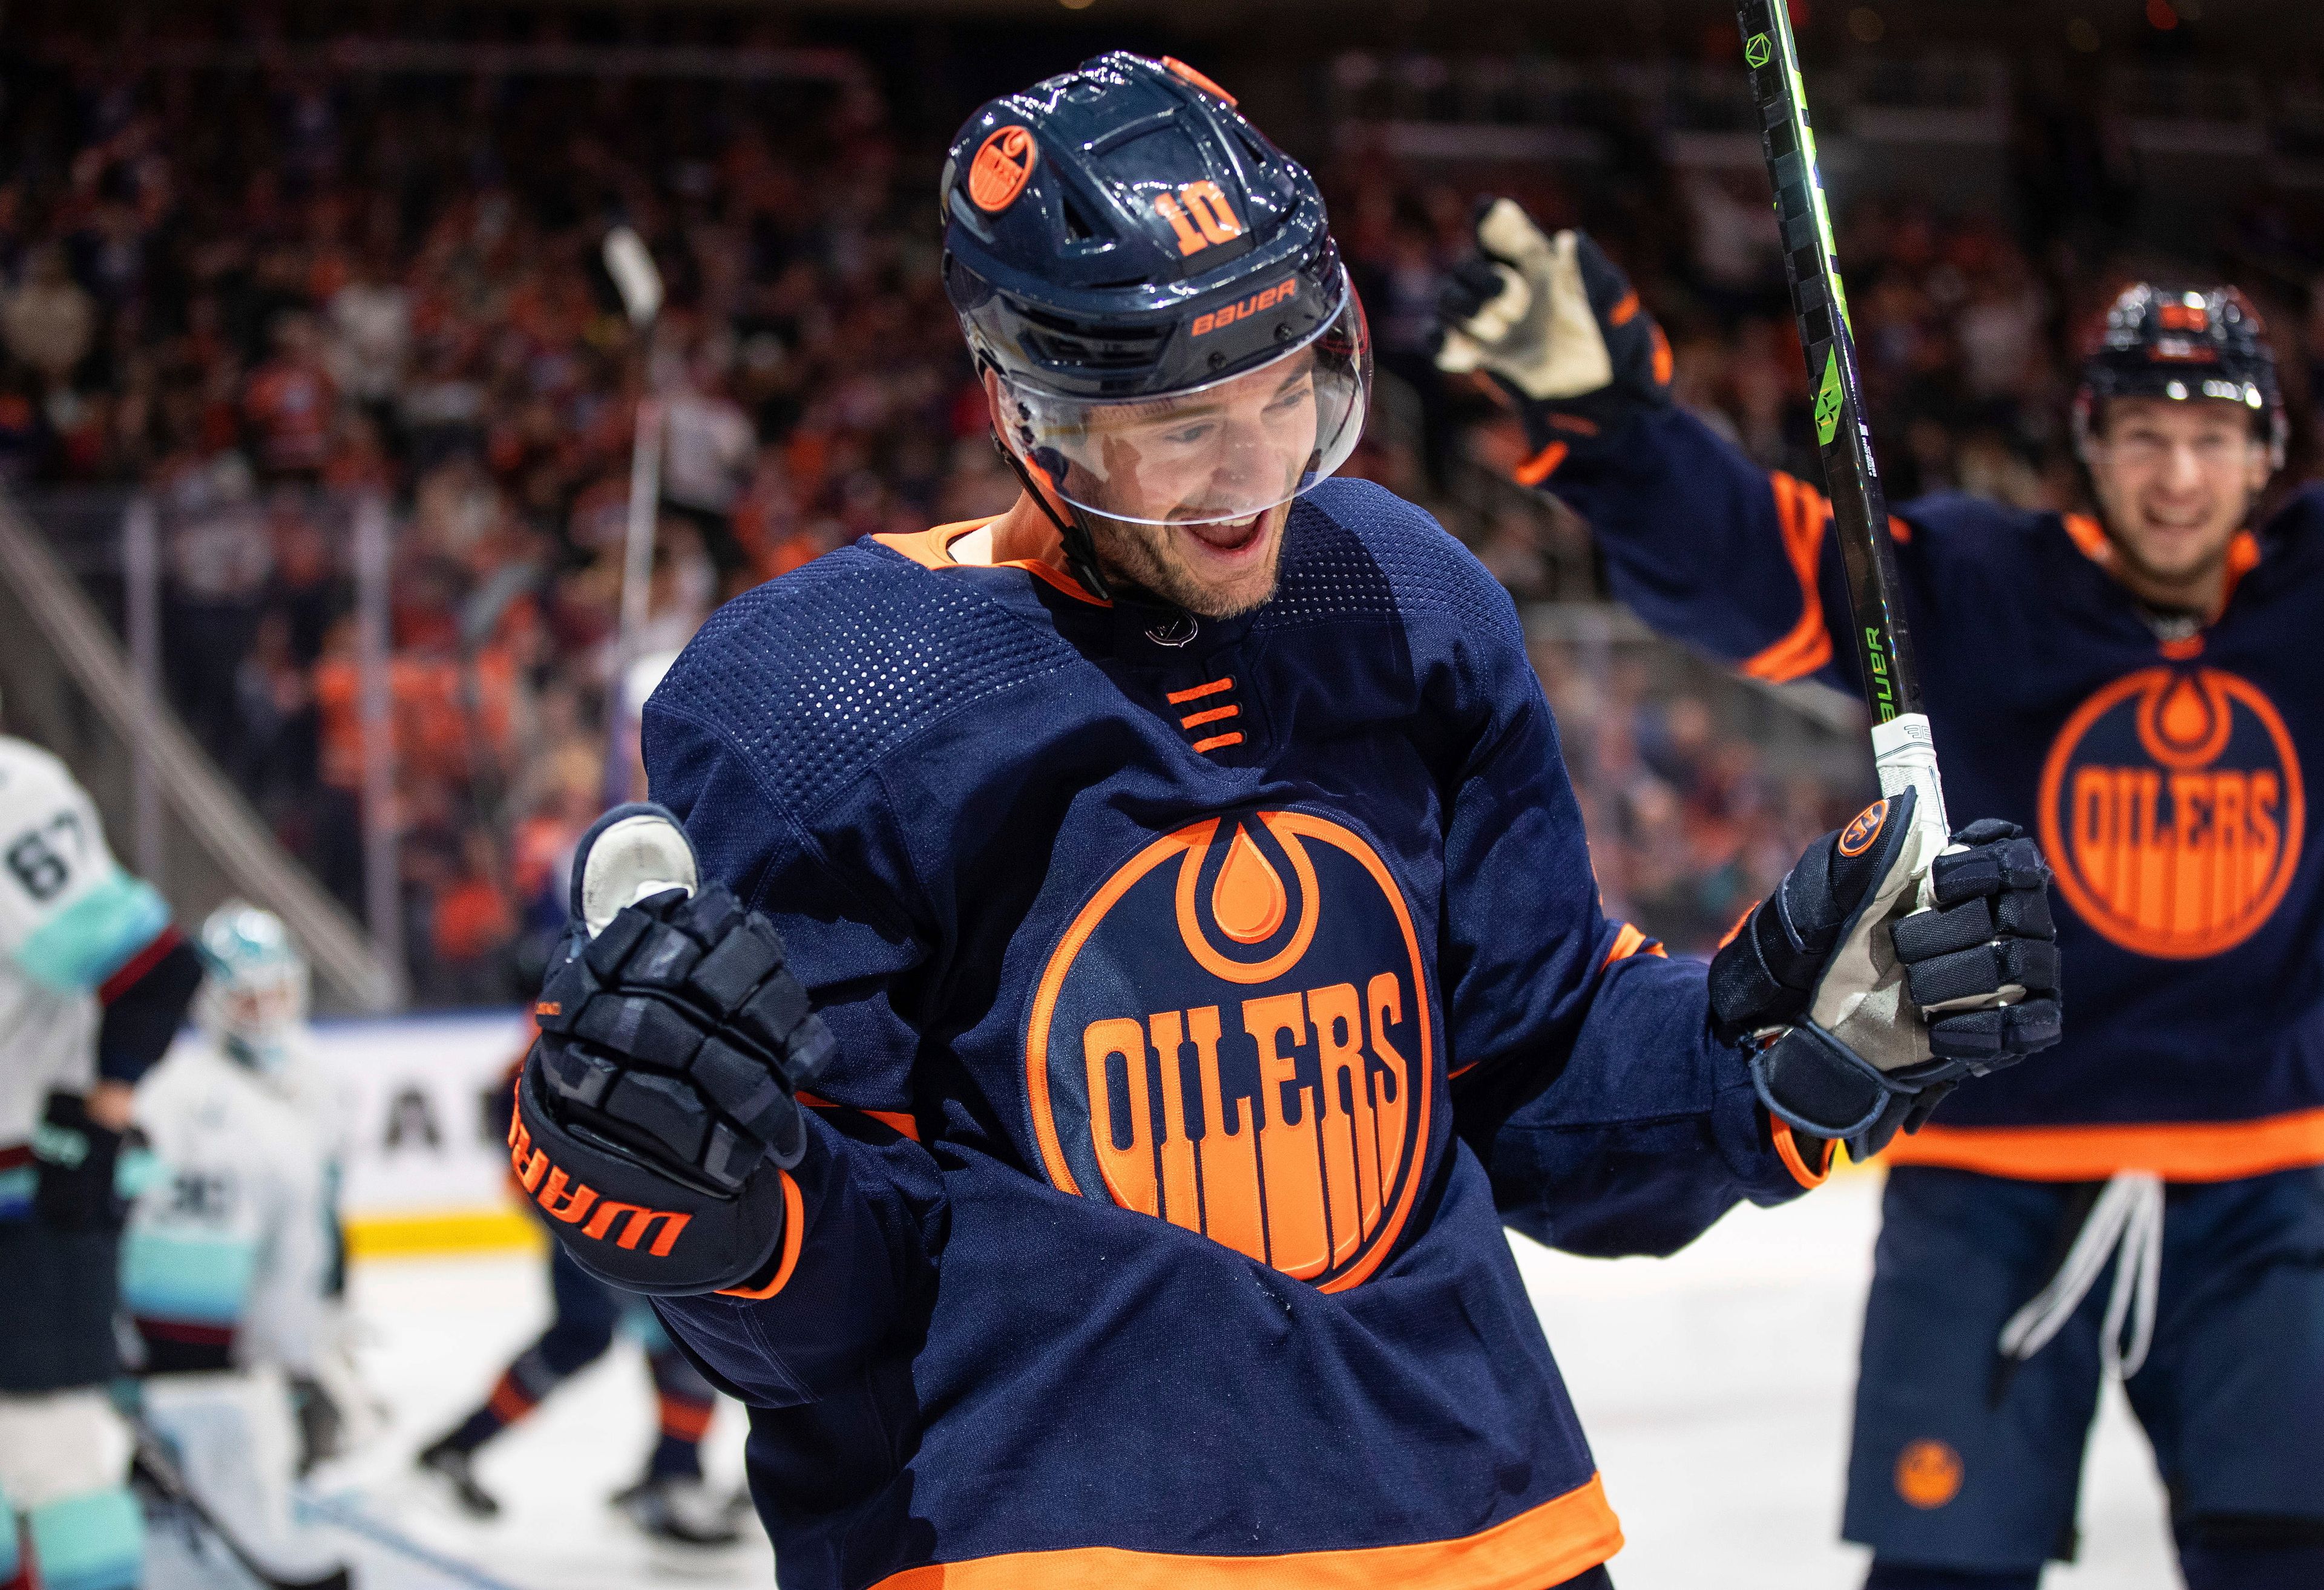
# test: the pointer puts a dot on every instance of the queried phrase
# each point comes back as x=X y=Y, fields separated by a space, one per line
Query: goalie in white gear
x=94 y=980
x=228 y=1268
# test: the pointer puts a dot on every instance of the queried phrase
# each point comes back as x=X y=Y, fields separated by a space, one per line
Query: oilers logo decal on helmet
x=1234 y=1035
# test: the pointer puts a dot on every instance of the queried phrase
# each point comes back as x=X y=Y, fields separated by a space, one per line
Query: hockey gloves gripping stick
x=1862 y=1012
x=656 y=1114
x=1556 y=324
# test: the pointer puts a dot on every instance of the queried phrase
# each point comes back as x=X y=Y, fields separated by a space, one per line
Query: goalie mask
x=254 y=997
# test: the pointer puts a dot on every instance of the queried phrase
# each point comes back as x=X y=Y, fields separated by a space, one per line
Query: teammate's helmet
x=2186 y=346
x=254 y=997
x=1156 y=287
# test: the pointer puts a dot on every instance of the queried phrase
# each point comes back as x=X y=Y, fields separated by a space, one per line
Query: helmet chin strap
x=1080 y=549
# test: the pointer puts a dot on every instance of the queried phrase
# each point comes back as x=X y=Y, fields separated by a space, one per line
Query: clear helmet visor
x=1217 y=452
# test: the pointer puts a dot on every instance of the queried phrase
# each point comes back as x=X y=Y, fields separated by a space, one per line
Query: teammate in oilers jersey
x=2141 y=692
x=1205 y=955
x=228 y=1260
x=94 y=980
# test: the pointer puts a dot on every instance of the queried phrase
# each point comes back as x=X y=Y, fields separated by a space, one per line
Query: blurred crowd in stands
x=258 y=298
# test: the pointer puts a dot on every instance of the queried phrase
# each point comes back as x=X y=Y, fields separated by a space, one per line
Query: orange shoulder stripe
x=1564 y=1536
x=794 y=1233
x=2189 y=1151
x=1800 y=513
x=2089 y=539
x=1540 y=467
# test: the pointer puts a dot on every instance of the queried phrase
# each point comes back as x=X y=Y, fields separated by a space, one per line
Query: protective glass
x=1218 y=453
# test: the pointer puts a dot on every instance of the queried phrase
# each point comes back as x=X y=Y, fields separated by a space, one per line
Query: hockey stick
x=1902 y=751
x=344 y=1513
x=153 y=1463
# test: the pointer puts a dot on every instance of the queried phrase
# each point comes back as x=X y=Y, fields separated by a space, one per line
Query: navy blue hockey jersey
x=1204 y=1009
x=2167 y=781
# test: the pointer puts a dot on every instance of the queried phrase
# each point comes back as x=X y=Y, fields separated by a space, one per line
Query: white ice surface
x=1715 y=1388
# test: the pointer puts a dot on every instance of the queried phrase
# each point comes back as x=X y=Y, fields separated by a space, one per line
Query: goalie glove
x=1863 y=1012
x=1556 y=324
x=655 y=1116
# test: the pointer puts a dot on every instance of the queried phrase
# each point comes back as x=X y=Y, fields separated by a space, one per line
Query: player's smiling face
x=2176 y=481
x=1173 y=466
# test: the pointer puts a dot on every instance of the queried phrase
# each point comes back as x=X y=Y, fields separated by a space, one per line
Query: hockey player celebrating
x=94 y=980
x=1206 y=959
x=2138 y=690
x=227 y=1266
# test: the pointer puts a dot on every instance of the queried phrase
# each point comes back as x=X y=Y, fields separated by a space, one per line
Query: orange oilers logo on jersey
x=1234 y=1036
x=2172 y=807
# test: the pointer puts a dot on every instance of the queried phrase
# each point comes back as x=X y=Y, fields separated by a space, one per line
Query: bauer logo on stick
x=1003 y=164
x=1234 y=1036
x=2173 y=805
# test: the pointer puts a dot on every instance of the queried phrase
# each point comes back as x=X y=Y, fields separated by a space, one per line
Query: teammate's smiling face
x=2176 y=481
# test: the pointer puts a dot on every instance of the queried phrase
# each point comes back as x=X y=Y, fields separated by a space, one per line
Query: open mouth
x=1227 y=537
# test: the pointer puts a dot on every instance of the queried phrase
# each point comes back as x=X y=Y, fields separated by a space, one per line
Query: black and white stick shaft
x=1901 y=747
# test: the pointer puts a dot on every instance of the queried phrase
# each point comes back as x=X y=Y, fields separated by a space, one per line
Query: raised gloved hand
x=1863 y=1012
x=656 y=1113
x=1555 y=322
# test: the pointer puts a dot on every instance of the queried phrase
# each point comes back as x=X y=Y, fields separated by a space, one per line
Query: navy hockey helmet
x=1156 y=287
x=2185 y=345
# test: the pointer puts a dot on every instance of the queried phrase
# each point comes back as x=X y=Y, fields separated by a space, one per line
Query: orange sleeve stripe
x=895 y=1120
x=1787 y=1149
x=794 y=1233
x=1624 y=312
x=1563 y=1537
x=1180 y=697
x=1192 y=719
x=2191 y=1151
x=1800 y=513
x=1540 y=467
x=1631 y=941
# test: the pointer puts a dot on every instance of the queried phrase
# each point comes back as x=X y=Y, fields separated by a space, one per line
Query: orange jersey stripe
x=1216 y=741
x=1628 y=942
x=932 y=549
x=1562 y=1537
x=1181 y=697
x=686 y=1422
x=1800 y=512
x=1211 y=716
x=895 y=1120
x=2191 y=1151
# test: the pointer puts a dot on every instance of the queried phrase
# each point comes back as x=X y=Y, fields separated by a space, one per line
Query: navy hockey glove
x=1864 y=1012
x=1556 y=324
x=656 y=1113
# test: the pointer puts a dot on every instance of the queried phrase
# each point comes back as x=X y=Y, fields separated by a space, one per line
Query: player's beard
x=1148 y=556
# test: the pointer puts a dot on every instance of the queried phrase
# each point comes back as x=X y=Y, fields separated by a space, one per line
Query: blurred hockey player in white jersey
x=94 y=982
x=227 y=1274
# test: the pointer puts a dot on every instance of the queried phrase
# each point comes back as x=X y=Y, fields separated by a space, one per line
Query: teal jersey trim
x=16 y=1189
x=75 y=951
x=196 y=1280
x=93 y=1542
